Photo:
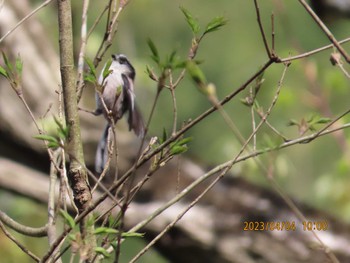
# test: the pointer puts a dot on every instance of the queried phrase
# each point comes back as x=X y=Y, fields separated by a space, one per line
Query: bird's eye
x=122 y=60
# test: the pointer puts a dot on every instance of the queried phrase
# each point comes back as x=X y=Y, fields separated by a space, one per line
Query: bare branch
x=25 y=18
x=325 y=30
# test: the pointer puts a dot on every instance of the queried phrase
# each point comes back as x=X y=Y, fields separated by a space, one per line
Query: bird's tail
x=135 y=122
x=102 y=152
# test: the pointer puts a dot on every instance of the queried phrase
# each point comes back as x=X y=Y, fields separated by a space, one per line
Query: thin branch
x=51 y=231
x=257 y=9
x=325 y=30
x=178 y=217
x=23 y=248
x=172 y=92
x=111 y=29
x=24 y=230
x=83 y=42
x=24 y=19
x=273 y=50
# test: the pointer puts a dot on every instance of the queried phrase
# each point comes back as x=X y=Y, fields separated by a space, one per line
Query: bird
x=116 y=98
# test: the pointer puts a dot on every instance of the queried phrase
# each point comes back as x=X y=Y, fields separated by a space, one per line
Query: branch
x=25 y=18
x=326 y=30
x=77 y=173
x=82 y=49
x=23 y=248
x=25 y=230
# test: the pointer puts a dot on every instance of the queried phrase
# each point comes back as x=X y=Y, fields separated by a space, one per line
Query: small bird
x=119 y=98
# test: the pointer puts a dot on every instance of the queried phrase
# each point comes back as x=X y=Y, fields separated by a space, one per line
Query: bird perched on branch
x=116 y=98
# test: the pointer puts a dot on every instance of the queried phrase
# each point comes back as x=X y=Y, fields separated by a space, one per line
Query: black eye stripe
x=123 y=60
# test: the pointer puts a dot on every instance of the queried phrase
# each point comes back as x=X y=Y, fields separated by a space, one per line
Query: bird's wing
x=135 y=119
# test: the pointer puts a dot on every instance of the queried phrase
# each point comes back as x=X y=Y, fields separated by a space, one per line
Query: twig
x=25 y=18
x=257 y=9
x=51 y=231
x=23 y=248
x=178 y=217
x=325 y=30
x=25 y=230
x=273 y=50
x=253 y=119
x=312 y=52
x=172 y=92
x=83 y=42
x=111 y=29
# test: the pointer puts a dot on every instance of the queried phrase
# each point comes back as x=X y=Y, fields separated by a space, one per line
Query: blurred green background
x=316 y=173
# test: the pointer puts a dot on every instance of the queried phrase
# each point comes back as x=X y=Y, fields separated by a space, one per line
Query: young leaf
x=184 y=141
x=293 y=122
x=91 y=66
x=215 y=24
x=178 y=149
x=164 y=137
x=53 y=145
x=19 y=65
x=105 y=230
x=103 y=251
x=68 y=218
x=90 y=78
x=258 y=83
x=106 y=70
x=180 y=64
x=171 y=60
x=193 y=23
x=196 y=73
x=7 y=63
x=59 y=124
x=3 y=72
x=45 y=137
x=132 y=234
x=153 y=48
x=323 y=120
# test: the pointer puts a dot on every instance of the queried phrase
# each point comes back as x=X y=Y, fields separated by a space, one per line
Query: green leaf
x=215 y=24
x=106 y=70
x=72 y=237
x=171 y=60
x=3 y=72
x=132 y=234
x=154 y=50
x=293 y=122
x=127 y=235
x=184 y=141
x=102 y=251
x=68 y=218
x=7 y=63
x=19 y=65
x=180 y=64
x=165 y=136
x=45 y=137
x=90 y=78
x=91 y=66
x=258 y=83
x=59 y=124
x=193 y=23
x=323 y=120
x=53 y=145
x=105 y=230
x=63 y=132
x=178 y=149
x=196 y=73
